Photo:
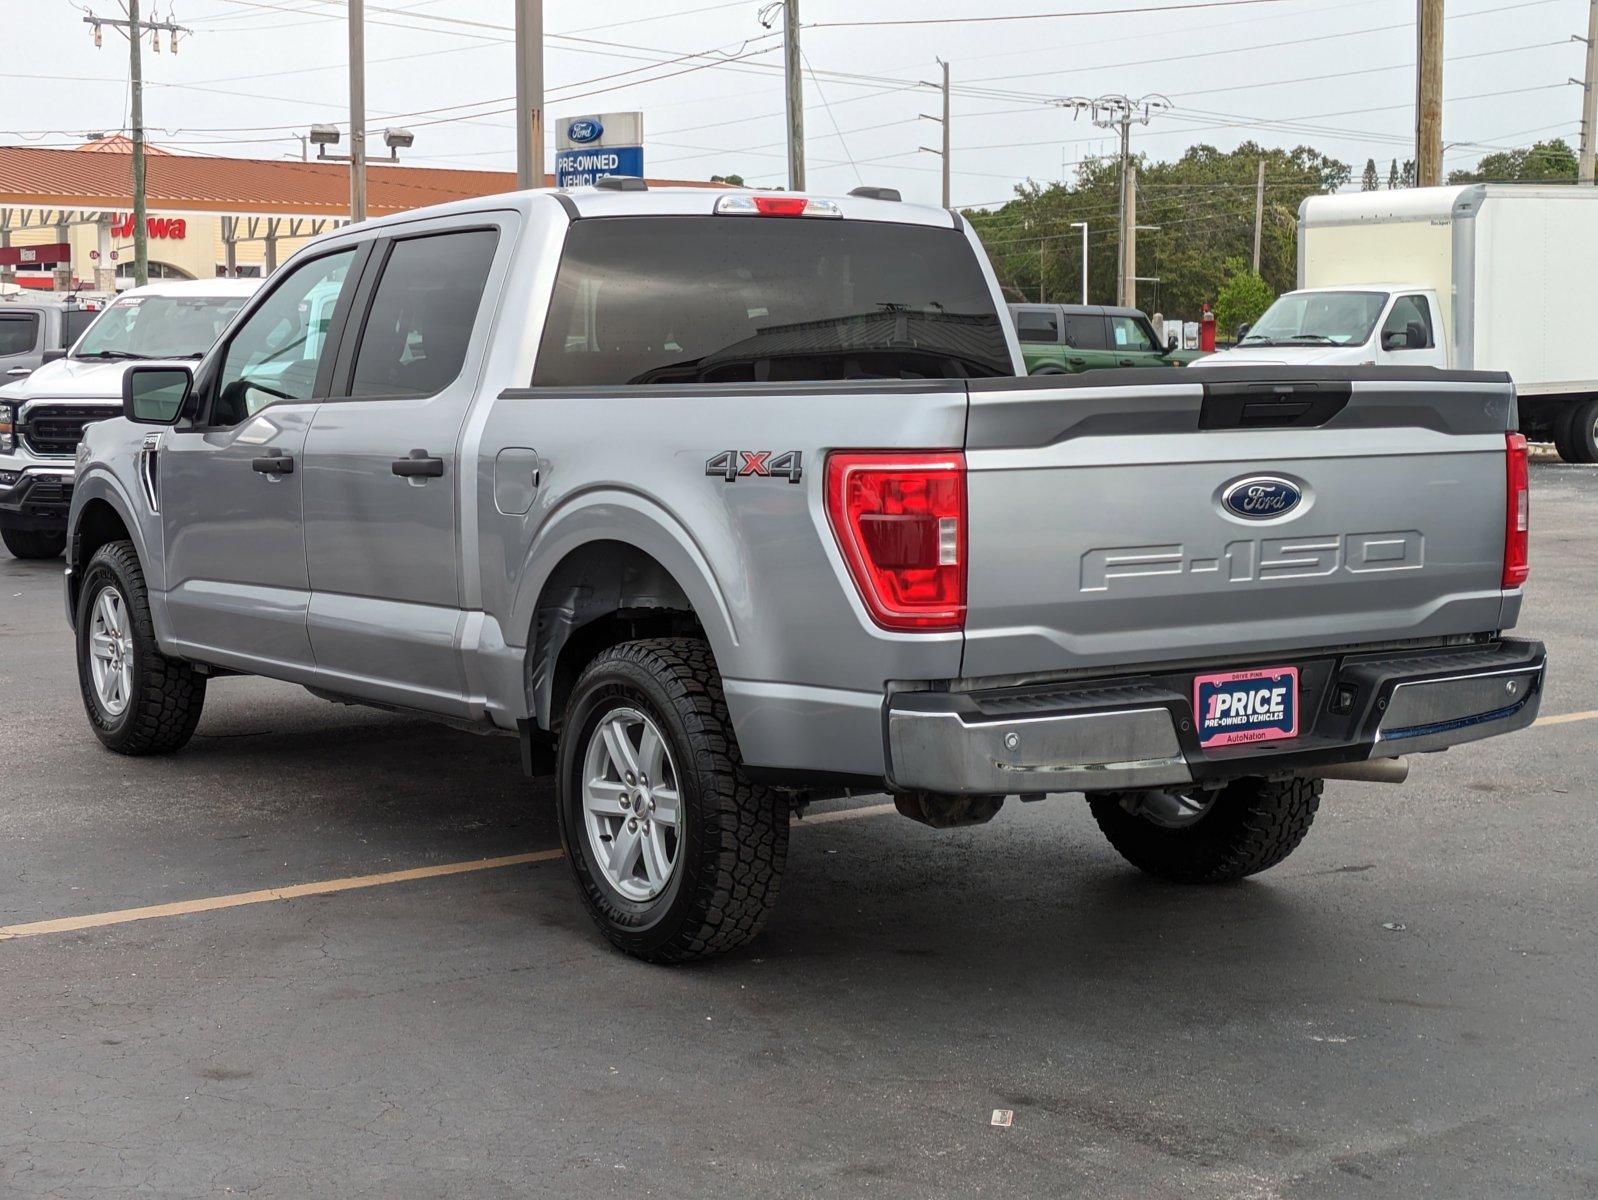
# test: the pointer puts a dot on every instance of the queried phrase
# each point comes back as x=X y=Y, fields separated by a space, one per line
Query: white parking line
x=325 y=887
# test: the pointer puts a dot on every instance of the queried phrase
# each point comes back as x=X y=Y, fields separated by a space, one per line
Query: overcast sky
x=1335 y=74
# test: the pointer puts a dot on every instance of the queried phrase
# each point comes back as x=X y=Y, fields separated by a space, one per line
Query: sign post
x=592 y=147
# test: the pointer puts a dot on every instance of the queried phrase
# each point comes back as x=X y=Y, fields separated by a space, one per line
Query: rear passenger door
x=383 y=470
x=19 y=344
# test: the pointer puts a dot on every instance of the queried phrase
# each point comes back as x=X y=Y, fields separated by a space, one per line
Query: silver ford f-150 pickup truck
x=723 y=501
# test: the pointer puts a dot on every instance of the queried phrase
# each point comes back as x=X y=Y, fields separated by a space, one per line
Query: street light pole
x=1083 y=226
x=529 y=94
x=357 y=110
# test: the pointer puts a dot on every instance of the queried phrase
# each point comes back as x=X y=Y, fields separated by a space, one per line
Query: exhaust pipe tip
x=1372 y=770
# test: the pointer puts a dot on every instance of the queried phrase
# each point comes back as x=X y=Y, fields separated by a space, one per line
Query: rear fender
x=614 y=515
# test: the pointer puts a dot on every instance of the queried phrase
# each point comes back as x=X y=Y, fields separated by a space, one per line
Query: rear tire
x=1560 y=427
x=691 y=866
x=1249 y=826
x=138 y=700
x=33 y=543
x=1582 y=434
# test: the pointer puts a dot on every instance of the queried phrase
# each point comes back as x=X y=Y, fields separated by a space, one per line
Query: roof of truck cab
x=585 y=202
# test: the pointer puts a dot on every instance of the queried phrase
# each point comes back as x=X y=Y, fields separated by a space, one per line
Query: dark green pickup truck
x=1061 y=339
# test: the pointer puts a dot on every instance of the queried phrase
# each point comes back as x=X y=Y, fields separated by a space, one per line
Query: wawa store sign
x=172 y=228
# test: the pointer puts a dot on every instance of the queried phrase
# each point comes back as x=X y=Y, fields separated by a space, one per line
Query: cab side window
x=414 y=340
x=1085 y=331
x=1129 y=334
x=277 y=352
x=1037 y=325
x=1409 y=325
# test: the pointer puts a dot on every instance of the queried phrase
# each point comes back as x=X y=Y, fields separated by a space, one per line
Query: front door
x=383 y=474
x=231 y=486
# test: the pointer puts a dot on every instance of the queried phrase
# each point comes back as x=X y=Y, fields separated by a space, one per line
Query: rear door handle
x=1076 y=360
x=419 y=464
x=273 y=462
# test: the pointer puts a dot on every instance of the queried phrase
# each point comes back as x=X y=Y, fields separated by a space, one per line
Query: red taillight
x=900 y=520
x=1517 y=512
x=780 y=206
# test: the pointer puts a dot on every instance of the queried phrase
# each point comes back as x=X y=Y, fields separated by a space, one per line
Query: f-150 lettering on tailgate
x=1128 y=569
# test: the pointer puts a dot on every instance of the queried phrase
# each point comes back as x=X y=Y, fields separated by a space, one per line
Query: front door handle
x=419 y=464
x=273 y=462
x=1127 y=362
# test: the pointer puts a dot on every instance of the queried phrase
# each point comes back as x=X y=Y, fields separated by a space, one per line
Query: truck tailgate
x=1100 y=532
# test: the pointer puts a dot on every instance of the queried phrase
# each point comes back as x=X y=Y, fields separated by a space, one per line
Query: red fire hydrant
x=1207 y=331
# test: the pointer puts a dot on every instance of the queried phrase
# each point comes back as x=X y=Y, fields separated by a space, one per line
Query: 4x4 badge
x=733 y=465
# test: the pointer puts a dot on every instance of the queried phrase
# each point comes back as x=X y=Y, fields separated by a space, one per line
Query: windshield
x=737 y=299
x=1318 y=318
x=158 y=327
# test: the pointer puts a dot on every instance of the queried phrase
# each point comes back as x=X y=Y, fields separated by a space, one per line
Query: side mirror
x=155 y=395
x=1170 y=343
x=1415 y=336
x=1242 y=330
x=50 y=356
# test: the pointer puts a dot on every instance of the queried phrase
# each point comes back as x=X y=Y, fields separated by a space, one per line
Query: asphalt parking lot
x=1405 y=1008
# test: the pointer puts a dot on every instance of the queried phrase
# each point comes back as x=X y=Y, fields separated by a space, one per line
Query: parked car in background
x=1484 y=277
x=38 y=327
x=43 y=415
x=1064 y=339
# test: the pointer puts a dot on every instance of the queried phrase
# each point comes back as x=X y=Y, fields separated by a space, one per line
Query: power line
x=1093 y=12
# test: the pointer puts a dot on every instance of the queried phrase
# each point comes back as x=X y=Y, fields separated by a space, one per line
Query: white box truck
x=1486 y=277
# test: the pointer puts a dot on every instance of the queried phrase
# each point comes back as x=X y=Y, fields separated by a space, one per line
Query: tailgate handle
x=1267 y=404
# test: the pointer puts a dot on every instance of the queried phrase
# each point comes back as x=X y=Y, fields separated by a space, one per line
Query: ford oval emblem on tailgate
x=1261 y=497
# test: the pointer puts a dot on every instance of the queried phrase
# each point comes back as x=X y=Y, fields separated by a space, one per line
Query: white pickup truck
x=1485 y=277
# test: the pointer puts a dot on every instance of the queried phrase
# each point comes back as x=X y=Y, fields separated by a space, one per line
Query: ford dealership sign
x=590 y=147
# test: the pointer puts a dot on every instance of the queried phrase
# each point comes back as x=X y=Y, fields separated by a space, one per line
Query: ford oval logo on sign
x=1261 y=497
x=583 y=132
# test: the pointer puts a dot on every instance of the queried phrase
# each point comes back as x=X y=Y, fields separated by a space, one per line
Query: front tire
x=33 y=543
x=691 y=865
x=138 y=700
x=1249 y=826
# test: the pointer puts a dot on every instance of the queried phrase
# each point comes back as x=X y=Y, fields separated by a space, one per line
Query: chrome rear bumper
x=1138 y=732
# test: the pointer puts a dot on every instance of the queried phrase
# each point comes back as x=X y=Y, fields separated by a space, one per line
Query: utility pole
x=1428 y=93
x=133 y=28
x=357 y=110
x=1259 y=214
x=529 y=94
x=1083 y=226
x=944 y=121
x=1119 y=113
x=1126 y=284
x=796 y=97
x=1589 y=101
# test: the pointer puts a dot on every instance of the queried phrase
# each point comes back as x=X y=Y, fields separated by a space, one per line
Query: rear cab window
x=1037 y=325
x=657 y=299
x=19 y=332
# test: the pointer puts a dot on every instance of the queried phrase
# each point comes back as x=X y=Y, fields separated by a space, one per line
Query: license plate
x=1246 y=706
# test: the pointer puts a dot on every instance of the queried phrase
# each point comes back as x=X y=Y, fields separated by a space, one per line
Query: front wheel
x=33 y=543
x=1201 y=836
x=677 y=855
x=138 y=700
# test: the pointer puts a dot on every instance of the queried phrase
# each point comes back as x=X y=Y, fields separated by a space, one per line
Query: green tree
x=1242 y=298
x=734 y=180
x=1203 y=203
x=1552 y=161
x=1392 y=175
x=1406 y=174
x=1370 y=181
